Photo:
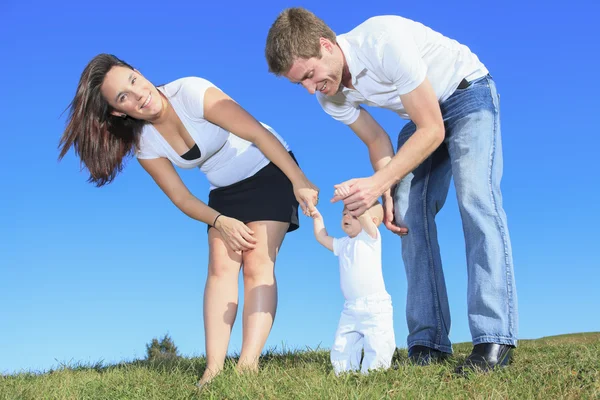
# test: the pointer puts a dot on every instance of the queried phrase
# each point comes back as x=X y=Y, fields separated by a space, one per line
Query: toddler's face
x=350 y=224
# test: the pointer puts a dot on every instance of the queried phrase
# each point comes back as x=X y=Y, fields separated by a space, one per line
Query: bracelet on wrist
x=215 y=221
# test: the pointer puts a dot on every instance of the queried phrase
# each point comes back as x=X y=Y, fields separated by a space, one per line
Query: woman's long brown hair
x=101 y=140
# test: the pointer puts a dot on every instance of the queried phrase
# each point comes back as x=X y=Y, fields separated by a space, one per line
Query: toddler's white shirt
x=360 y=265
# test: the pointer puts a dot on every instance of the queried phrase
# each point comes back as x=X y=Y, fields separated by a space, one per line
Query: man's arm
x=424 y=110
x=375 y=138
x=381 y=152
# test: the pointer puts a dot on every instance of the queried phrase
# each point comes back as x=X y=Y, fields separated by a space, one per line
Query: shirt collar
x=354 y=65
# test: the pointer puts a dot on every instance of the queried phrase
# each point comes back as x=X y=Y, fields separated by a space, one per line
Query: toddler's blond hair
x=376 y=211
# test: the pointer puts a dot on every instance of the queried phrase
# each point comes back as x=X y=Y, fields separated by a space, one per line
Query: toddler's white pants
x=366 y=322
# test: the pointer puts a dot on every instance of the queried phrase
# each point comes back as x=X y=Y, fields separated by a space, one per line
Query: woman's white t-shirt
x=224 y=157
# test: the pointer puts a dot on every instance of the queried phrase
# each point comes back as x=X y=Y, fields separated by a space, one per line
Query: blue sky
x=90 y=274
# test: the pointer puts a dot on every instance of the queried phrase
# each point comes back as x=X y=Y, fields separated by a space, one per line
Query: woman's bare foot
x=245 y=368
x=207 y=377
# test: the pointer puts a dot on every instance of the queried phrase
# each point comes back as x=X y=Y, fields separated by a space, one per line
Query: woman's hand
x=236 y=234
x=307 y=195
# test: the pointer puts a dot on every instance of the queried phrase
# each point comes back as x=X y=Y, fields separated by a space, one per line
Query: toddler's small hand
x=342 y=191
x=315 y=213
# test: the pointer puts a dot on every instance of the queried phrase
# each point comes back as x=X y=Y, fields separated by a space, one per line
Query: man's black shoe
x=486 y=357
x=423 y=355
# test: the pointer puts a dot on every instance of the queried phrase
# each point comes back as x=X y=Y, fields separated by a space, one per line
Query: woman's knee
x=222 y=264
x=222 y=261
x=223 y=270
x=258 y=263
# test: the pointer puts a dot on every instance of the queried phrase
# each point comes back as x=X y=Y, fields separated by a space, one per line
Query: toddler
x=366 y=321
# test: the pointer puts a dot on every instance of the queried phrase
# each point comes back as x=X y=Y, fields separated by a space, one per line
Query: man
x=454 y=130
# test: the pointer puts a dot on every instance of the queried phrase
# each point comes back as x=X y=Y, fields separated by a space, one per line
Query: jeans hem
x=431 y=345
x=495 y=339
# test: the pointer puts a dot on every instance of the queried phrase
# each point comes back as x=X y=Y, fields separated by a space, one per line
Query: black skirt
x=267 y=195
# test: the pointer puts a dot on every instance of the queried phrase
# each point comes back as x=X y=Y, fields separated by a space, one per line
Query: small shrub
x=160 y=350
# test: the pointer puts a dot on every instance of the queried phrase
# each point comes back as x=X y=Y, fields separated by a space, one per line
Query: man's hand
x=388 y=215
x=342 y=190
x=358 y=194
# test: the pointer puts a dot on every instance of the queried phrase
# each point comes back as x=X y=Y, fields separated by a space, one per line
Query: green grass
x=559 y=367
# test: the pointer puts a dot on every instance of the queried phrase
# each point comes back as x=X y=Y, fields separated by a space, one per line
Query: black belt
x=463 y=84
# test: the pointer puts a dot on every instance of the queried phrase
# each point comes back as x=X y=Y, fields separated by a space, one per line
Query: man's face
x=318 y=74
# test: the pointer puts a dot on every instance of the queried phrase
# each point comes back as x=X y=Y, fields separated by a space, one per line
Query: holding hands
x=361 y=193
x=307 y=195
x=358 y=194
x=316 y=215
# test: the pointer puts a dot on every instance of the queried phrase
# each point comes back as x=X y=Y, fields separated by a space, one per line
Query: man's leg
x=418 y=198
x=472 y=117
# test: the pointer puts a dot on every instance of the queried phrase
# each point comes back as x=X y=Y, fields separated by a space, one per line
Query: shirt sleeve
x=365 y=237
x=339 y=108
x=401 y=60
x=192 y=93
x=145 y=149
x=339 y=244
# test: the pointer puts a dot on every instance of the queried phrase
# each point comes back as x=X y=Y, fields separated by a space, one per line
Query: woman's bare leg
x=260 y=290
x=220 y=302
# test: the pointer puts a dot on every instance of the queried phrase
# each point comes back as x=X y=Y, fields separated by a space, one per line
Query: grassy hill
x=557 y=367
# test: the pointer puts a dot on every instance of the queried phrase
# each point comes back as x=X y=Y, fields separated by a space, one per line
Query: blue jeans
x=472 y=154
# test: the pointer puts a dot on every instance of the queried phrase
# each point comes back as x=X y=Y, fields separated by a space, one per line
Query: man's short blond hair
x=296 y=33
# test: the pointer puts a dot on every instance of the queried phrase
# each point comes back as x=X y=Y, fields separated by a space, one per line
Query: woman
x=252 y=204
